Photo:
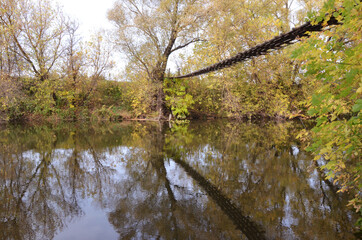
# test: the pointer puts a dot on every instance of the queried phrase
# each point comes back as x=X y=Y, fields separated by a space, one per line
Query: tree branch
x=186 y=44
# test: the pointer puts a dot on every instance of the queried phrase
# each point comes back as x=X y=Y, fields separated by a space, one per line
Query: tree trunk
x=162 y=109
x=158 y=77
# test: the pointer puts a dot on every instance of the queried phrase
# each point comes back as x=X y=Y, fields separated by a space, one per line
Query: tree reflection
x=257 y=168
x=212 y=180
x=30 y=195
x=260 y=168
x=149 y=208
x=41 y=184
x=243 y=223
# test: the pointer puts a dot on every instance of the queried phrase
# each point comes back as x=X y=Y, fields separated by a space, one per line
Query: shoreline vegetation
x=48 y=73
x=109 y=103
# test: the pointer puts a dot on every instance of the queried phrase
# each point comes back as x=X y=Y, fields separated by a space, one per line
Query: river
x=131 y=180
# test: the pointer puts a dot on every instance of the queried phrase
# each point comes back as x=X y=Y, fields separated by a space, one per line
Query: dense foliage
x=332 y=64
x=46 y=70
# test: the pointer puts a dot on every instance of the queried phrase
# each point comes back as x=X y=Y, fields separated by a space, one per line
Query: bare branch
x=186 y=44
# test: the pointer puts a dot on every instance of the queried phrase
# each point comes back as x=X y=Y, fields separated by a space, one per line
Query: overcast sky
x=91 y=14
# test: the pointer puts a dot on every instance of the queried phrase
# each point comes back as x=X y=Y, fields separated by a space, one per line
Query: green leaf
x=316 y=99
x=350 y=75
x=319 y=19
x=312 y=112
x=358 y=106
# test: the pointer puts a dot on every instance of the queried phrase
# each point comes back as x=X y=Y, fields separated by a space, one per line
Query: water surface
x=204 y=180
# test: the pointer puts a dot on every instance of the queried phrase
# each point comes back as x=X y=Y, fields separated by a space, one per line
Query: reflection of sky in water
x=295 y=150
x=33 y=156
x=181 y=184
x=288 y=220
x=93 y=225
x=95 y=219
x=297 y=205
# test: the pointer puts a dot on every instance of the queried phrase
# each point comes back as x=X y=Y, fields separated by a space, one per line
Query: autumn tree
x=38 y=30
x=149 y=31
x=11 y=66
x=266 y=86
x=74 y=57
x=10 y=63
x=98 y=61
x=334 y=62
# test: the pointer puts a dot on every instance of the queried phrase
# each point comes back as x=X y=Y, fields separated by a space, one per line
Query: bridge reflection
x=251 y=229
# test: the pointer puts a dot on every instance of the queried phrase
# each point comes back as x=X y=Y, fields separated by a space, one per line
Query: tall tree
x=98 y=59
x=74 y=59
x=37 y=28
x=10 y=63
x=264 y=86
x=149 y=31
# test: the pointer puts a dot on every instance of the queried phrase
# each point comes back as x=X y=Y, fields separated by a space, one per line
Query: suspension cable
x=261 y=49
